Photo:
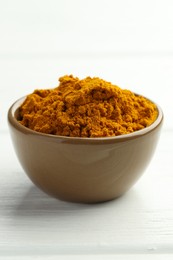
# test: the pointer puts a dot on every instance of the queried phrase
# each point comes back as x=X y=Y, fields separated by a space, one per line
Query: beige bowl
x=83 y=169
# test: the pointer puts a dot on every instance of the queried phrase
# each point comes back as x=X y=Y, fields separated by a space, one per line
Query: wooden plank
x=93 y=257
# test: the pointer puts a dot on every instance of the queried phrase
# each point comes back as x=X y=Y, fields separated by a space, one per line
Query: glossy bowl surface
x=85 y=170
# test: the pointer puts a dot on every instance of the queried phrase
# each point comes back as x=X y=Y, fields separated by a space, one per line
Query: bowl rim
x=120 y=138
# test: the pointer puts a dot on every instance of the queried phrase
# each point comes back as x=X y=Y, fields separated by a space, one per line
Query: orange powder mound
x=90 y=107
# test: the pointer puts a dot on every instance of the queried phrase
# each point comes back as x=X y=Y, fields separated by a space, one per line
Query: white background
x=129 y=43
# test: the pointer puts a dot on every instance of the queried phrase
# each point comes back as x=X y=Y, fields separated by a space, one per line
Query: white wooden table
x=136 y=54
x=33 y=225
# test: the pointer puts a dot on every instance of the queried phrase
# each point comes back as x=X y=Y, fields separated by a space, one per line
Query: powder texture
x=90 y=107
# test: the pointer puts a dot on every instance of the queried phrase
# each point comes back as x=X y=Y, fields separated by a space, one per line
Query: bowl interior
x=13 y=116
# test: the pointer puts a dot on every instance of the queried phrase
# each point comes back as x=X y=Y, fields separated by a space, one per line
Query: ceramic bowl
x=87 y=170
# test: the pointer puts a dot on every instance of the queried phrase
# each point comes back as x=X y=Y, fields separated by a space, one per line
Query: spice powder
x=90 y=107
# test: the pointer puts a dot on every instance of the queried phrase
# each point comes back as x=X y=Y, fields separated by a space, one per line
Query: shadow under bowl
x=87 y=170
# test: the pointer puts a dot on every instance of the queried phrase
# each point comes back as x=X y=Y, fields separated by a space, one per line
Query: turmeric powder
x=90 y=107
